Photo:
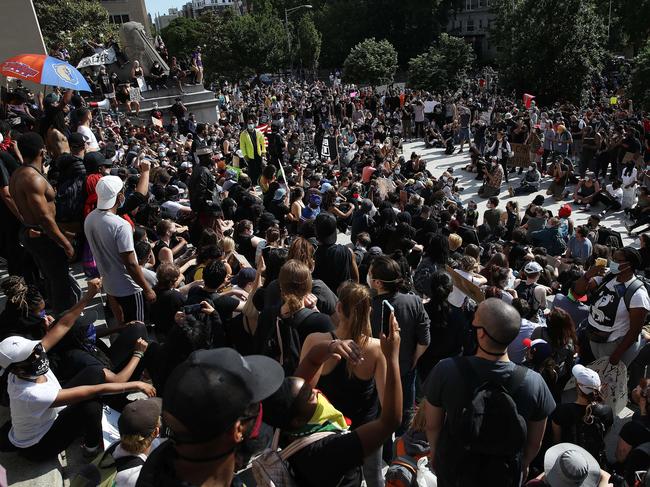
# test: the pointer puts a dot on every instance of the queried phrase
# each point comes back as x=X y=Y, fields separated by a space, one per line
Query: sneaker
x=511 y=191
x=602 y=213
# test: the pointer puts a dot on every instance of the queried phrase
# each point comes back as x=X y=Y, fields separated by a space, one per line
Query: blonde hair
x=455 y=241
x=355 y=305
x=136 y=444
x=295 y=284
x=227 y=244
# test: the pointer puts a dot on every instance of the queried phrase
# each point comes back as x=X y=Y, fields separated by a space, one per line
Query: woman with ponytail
x=354 y=389
x=24 y=313
x=586 y=421
x=296 y=314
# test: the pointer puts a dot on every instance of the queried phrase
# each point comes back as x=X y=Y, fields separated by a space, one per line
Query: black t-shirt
x=570 y=415
x=326 y=299
x=8 y=164
x=168 y=303
x=637 y=431
x=333 y=461
x=224 y=305
x=314 y=323
x=333 y=265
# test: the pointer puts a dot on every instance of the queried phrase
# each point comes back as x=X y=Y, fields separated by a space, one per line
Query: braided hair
x=20 y=295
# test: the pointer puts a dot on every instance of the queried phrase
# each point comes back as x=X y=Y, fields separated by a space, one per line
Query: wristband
x=138 y=354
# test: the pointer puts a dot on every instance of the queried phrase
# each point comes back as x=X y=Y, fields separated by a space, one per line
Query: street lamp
x=288 y=11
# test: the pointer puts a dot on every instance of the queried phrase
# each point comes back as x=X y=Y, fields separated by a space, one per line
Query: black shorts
x=134 y=307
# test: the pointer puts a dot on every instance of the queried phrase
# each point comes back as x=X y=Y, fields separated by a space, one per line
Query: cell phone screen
x=386 y=310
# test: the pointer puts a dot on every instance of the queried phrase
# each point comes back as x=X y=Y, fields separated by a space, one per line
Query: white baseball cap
x=587 y=380
x=107 y=190
x=15 y=349
x=532 y=268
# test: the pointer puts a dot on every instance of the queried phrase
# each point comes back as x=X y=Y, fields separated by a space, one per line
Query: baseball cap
x=210 y=390
x=107 y=190
x=314 y=198
x=532 y=268
x=326 y=228
x=140 y=417
x=76 y=140
x=92 y=161
x=565 y=211
x=204 y=151
x=244 y=276
x=582 y=298
x=587 y=380
x=568 y=465
x=325 y=187
x=15 y=349
x=279 y=194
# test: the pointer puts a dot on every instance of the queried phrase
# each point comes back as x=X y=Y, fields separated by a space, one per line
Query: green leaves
x=371 y=62
x=72 y=22
x=443 y=66
x=639 y=90
x=551 y=48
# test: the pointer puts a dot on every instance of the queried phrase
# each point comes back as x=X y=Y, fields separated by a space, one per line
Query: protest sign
x=465 y=286
x=520 y=155
x=105 y=56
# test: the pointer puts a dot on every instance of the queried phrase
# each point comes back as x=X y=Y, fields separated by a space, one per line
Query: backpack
x=527 y=292
x=629 y=292
x=283 y=340
x=271 y=468
x=489 y=434
x=104 y=468
x=591 y=437
x=70 y=199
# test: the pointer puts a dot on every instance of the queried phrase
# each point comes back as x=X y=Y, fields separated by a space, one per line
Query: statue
x=137 y=45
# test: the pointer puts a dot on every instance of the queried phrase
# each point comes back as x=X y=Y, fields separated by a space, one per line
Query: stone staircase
x=197 y=99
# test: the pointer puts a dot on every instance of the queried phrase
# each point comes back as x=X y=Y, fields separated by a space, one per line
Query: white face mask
x=251 y=126
x=614 y=267
x=369 y=280
x=531 y=168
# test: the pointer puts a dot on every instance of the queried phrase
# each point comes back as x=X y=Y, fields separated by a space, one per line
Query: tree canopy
x=371 y=62
x=551 y=48
x=640 y=82
x=442 y=66
x=73 y=22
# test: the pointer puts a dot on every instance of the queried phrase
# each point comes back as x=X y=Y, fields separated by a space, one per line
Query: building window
x=119 y=19
x=482 y=3
x=480 y=23
x=470 y=25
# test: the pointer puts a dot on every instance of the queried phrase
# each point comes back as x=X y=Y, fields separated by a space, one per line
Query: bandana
x=325 y=418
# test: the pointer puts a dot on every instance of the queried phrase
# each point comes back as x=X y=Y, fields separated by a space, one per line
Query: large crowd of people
x=289 y=279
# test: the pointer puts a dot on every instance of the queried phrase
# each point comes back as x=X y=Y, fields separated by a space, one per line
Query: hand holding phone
x=192 y=308
x=386 y=310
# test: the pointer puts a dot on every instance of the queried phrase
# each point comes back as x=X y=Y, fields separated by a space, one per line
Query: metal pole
x=286 y=25
x=609 y=19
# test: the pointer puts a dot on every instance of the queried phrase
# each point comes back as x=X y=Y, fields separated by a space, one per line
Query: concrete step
x=169 y=100
x=173 y=91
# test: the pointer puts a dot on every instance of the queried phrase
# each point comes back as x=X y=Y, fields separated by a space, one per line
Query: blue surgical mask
x=614 y=267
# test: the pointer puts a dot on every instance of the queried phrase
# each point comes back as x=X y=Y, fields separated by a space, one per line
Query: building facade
x=122 y=11
x=472 y=21
x=163 y=21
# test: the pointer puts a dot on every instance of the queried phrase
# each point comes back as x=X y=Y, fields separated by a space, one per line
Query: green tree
x=550 y=48
x=406 y=24
x=308 y=40
x=639 y=90
x=72 y=22
x=182 y=35
x=371 y=62
x=248 y=45
x=442 y=66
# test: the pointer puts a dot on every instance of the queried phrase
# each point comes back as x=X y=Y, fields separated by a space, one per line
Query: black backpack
x=591 y=437
x=489 y=434
x=527 y=292
x=282 y=341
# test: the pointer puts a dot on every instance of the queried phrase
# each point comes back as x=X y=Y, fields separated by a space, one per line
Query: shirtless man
x=39 y=234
